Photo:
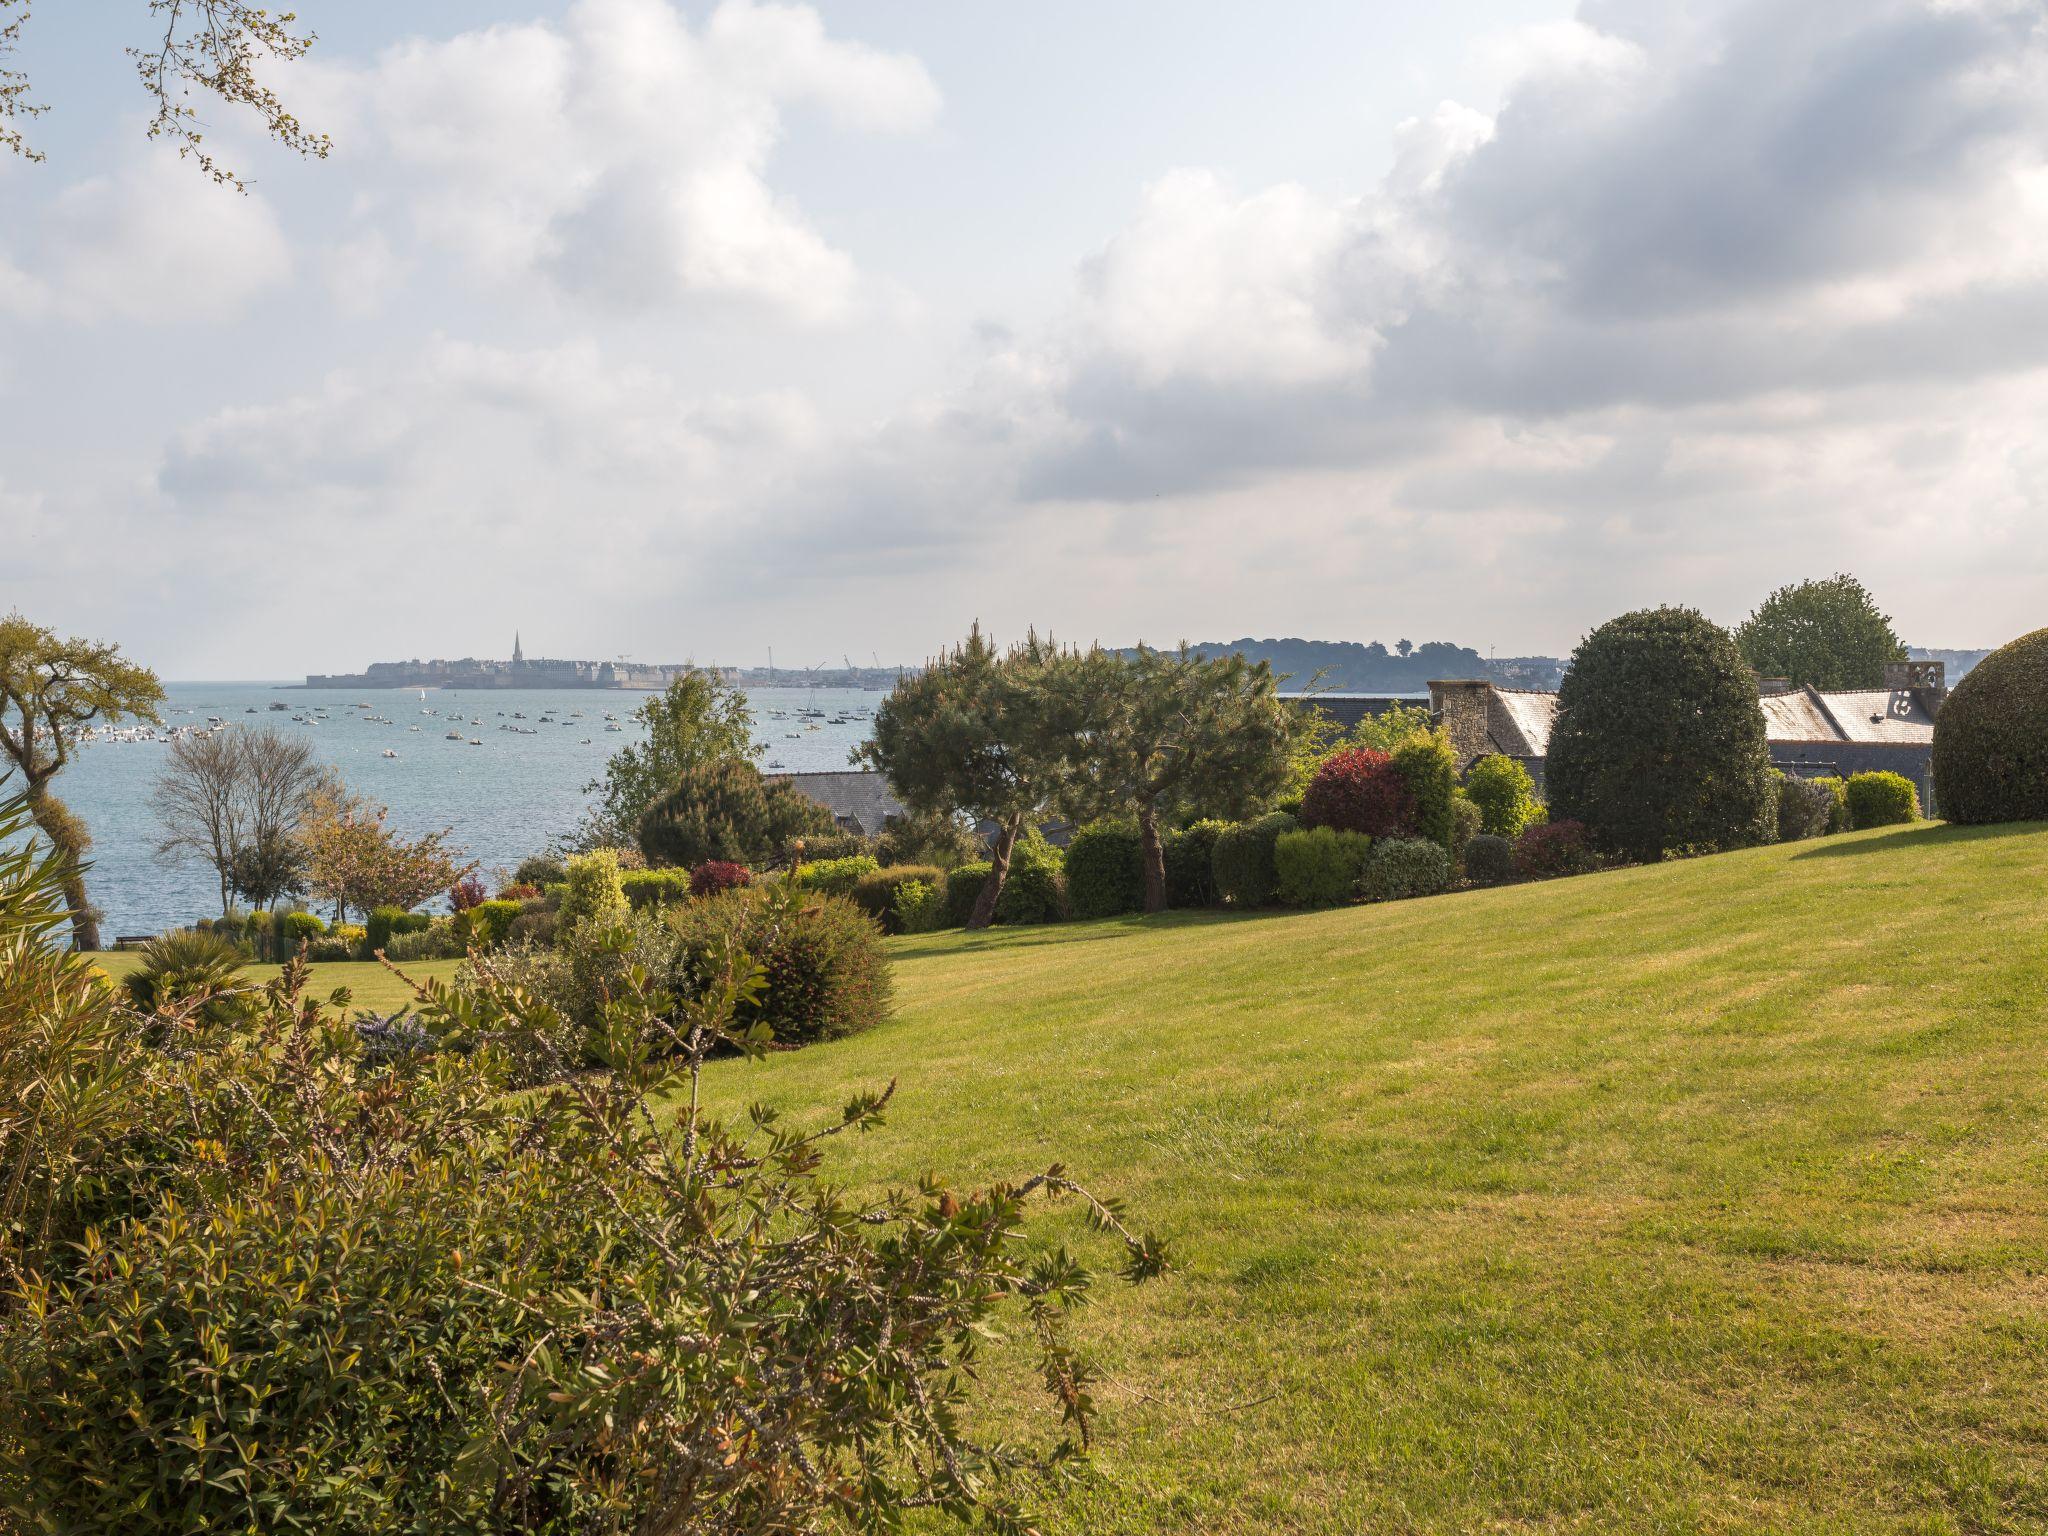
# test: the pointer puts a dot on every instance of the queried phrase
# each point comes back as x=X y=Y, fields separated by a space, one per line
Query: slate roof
x=859 y=800
x=1872 y=717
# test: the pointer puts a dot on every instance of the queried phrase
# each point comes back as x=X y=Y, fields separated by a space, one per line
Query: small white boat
x=389 y=753
x=476 y=741
x=454 y=736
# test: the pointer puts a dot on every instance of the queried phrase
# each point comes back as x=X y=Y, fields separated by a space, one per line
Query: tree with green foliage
x=1821 y=634
x=983 y=732
x=1658 y=746
x=724 y=809
x=699 y=718
x=1504 y=793
x=51 y=690
x=1170 y=733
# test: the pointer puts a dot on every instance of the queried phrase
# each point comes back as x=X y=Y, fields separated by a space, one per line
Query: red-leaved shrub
x=1553 y=848
x=1360 y=790
x=716 y=875
x=519 y=892
x=466 y=893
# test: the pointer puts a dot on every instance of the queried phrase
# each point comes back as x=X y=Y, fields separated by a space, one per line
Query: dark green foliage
x=1805 y=808
x=296 y=928
x=1991 y=738
x=1881 y=800
x=724 y=809
x=825 y=972
x=963 y=889
x=198 y=975
x=822 y=847
x=1105 y=870
x=540 y=870
x=1429 y=767
x=699 y=719
x=875 y=894
x=384 y=923
x=1466 y=823
x=654 y=887
x=1191 y=864
x=1504 y=793
x=1659 y=741
x=490 y=922
x=1489 y=860
x=1320 y=867
x=1823 y=634
x=1036 y=891
x=1403 y=867
x=1243 y=861
x=927 y=837
x=836 y=877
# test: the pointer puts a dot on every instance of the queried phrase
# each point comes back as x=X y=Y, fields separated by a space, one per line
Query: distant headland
x=524 y=671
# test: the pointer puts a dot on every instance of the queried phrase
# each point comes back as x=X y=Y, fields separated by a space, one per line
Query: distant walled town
x=523 y=671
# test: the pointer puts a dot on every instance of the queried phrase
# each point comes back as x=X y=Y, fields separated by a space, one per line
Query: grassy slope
x=370 y=985
x=1709 y=1197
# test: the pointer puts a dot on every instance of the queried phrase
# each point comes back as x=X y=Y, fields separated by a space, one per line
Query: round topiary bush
x=1882 y=800
x=1320 y=867
x=1401 y=867
x=1106 y=870
x=1991 y=738
x=1360 y=790
x=1658 y=746
x=1489 y=860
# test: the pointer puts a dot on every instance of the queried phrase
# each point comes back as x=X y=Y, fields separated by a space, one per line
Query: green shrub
x=963 y=889
x=836 y=877
x=197 y=973
x=655 y=887
x=1191 y=864
x=875 y=894
x=344 y=941
x=827 y=975
x=541 y=870
x=823 y=847
x=1838 y=813
x=918 y=907
x=1106 y=870
x=724 y=809
x=1402 y=867
x=1035 y=891
x=383 y=923
x=1504 y=793
x=490 y=922
x=296 y=928
x=593 y=892
x=927 y=837
x=1881 y=800
x=442 y=939
x=1489 y=860
x=1429 y=767
x=1319 y=867
x=1466 y=824
x=1991 y=738
x=1242 y=864
x=1806 y=807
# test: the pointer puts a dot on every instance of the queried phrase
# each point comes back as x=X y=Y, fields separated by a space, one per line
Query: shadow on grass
x=1930 y=832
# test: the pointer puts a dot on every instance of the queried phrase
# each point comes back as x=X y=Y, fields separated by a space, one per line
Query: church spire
x=518 y=656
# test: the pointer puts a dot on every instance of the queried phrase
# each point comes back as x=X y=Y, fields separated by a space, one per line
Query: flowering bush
x=1360 y=790
x=1553 y=848
x=715 y=875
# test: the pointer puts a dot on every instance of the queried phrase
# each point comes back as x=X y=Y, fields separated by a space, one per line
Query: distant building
x=860 y=801
x=1811 y=734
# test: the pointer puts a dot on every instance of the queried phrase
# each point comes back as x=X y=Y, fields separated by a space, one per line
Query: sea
x=521 y=783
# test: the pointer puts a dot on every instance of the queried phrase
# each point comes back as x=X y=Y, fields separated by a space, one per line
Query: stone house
x=1811 y=734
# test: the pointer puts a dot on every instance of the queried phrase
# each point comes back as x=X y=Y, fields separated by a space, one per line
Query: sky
x=688 y=331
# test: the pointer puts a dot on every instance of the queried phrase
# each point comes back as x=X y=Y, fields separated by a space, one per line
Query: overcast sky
x=684 y=331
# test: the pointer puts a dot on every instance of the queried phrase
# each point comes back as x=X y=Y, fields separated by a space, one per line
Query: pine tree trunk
x=1154 y=857
x=998 y=871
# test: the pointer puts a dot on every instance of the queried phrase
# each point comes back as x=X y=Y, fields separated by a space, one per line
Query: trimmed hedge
x=296 y=928
x=655 y=887
x=490 y=922
x=1319 y=867
x=1243 y=861
x=1489 y=860
x=1106 y=870
x=1403 y=867
x=1881 y=800
x=875 y=894
x=918 y=906
x=383 y=922
x=1991 y=738
x=1191 y=864
x=836 y=877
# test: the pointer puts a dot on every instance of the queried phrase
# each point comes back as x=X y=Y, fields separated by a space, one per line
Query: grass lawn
x=1709 y=1197
x=370 y=985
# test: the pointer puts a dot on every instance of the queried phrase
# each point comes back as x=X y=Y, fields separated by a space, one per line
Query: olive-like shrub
x=1504 y=793
x=382 y=1294
x=1991 y=738
x=1658 y=746
x=1881 y=800
x=1360 y=790
x=1106 y=870
x=1806 y=807
x=917 y=906
x=1404 y=867
x=1319 y=867
x=1489 y=860
x=1466 y=824
x=1243 y=861
x=1191 y=864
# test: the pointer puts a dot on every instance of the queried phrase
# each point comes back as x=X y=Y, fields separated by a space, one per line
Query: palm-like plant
x=197 y=974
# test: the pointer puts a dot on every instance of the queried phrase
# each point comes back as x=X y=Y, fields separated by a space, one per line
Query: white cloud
x=620 y=154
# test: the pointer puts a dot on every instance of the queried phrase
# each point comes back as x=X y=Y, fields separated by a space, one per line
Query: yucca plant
x=196 y=974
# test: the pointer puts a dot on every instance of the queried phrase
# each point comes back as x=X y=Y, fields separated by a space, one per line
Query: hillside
x=1706 y=1197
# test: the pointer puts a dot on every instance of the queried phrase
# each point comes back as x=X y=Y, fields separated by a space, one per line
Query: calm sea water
x=504 y=798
